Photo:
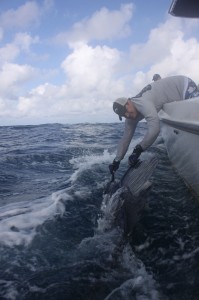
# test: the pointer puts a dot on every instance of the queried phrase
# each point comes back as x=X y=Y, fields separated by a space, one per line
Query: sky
x=64 y=61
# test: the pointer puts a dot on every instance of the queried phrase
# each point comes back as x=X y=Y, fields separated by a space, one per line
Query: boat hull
x=180 y=131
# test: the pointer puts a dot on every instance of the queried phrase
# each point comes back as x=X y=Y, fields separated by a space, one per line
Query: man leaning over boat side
x=146 y=105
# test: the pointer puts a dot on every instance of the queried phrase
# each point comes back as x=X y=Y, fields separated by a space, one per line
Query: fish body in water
x=125 y=200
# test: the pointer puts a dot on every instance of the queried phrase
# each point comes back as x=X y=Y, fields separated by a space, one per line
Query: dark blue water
x=52 y=245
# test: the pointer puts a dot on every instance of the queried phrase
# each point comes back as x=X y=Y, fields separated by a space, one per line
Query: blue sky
x=66 y=61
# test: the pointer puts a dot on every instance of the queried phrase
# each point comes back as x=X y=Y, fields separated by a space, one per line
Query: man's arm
x=153 y=127
x=130 y=126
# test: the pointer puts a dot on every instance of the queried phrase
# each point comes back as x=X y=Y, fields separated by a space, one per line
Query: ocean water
x=53 y=244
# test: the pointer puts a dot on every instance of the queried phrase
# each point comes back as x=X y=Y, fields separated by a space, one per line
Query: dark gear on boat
x=156 y=77
x=133 y=158
x=192 y=90
x=114 y=166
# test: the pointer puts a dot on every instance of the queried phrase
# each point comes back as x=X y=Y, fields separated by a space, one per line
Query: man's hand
x=133 y=158
x=114 y=166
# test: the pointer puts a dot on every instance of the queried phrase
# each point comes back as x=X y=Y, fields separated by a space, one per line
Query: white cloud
x=158 y=44
x=88 y=89
x=8 y=53
x=1 y=33
x=91 y=70
x=22 y=17
x=167 y=52
x=90 y=86
x=102 y=25
x=94 y=75
x=26 y=15
x=21 y=43
x=183 y=59
x=24 y=40
x=12 y=78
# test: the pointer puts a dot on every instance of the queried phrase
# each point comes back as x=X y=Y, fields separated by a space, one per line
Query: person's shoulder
x=172 y=78
x=144 y=90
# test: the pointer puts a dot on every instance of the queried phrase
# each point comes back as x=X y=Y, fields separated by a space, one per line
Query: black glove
x=114 y=166
x=133 y=158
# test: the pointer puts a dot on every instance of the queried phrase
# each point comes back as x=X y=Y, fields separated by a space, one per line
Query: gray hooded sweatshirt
x=163 y=91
